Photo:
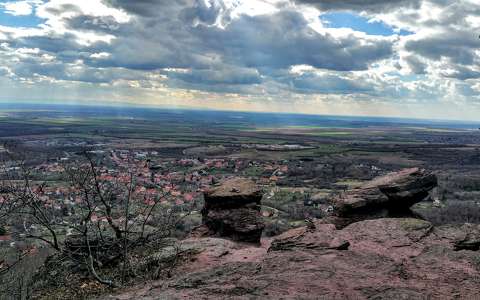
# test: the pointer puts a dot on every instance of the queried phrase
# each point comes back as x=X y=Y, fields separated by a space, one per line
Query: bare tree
x=100 y=217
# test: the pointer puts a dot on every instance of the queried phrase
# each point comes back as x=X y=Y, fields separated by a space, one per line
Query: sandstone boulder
x=232 y=209
x=394 y=192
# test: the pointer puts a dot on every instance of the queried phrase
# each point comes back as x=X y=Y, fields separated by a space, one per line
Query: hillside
x=381 y=258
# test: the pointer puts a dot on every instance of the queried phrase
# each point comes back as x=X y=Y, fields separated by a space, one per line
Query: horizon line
x=122 y=104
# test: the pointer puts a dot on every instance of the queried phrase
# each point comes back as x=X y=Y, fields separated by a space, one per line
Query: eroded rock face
x=371 y=256
x=392 y=258
x=391 y=195
x=394 y=191
x=232 y=210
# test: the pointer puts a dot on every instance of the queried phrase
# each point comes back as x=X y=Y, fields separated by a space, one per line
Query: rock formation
x=392 y=258
x=391 y=195
x=394 y=191
x=384 y=258
x=232 y=209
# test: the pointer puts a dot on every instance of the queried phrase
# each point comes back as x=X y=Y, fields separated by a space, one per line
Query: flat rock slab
x=233 y=193
x=394 y=191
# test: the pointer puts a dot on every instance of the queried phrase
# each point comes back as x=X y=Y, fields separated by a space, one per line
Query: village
x=103 y=185
x=184 y=180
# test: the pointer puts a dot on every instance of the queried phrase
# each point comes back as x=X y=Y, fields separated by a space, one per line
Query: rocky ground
x=366 y=255
x=374 y=259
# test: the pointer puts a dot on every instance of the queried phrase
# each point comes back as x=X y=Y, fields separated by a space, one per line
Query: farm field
x=300 y=162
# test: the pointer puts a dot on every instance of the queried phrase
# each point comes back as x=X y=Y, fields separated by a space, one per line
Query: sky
x=403 y=58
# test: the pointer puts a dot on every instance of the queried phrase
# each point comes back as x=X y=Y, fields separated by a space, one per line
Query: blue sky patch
x=18 y=21
x=358 y=23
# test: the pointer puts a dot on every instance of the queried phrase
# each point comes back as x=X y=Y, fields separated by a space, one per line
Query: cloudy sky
x=410 y=58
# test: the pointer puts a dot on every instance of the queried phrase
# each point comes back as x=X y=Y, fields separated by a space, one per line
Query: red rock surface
x=232 y=209
x=373 y=259
x=394 y=191
x=390 y=195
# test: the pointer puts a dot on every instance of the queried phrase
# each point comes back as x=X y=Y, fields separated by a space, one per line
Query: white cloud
x=20 y=8
x=100 y=55
x=275 y=51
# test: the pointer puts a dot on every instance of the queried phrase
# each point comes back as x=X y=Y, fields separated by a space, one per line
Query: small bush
x=3 y=231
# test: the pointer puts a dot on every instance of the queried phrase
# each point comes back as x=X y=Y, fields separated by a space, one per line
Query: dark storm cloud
x=417 y=66
x=149 y=8
x=62 y=8
x=457 y=47
x=62 y=71
x=148 y=43
x=181 y=36
x=275 y=41
x=202 y=46
x=285 y=39
x=208 y=15
x=450 y=44
x=106 y=24
x=53 y=43
x=328 y=84
x=232 y=76
x=374 y=6
x=462 y=73
x=64 y=48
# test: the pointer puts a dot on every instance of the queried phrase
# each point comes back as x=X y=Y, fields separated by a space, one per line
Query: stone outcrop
x=383 y=258
x=391 y=195
x=232 y=209
x=394 y=191
x=392 y=258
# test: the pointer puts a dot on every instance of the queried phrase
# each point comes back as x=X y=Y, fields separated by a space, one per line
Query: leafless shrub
x=99 y=220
